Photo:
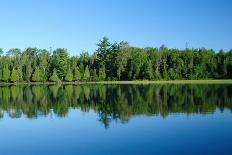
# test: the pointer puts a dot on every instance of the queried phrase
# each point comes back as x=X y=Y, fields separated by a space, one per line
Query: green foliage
x=6 y=73
x=69 y=76
x=61 y=62
x=38 y=75
x=77 y=74
x=1 y=51
x=0 y=74
x=95 y=76
x=14 y=52
x=14 y=76
x=27 y=71
x=147 y=71
x=54 y=77
x=115 y=62
x=20 y=74
x=102 y=73
x=86 y=76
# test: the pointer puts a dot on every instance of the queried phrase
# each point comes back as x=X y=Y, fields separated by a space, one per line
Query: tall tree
x=86 y=76
x=37 y=76
x=14 y=76
x=69 y=76
x=77 y=74
x=6 y=73
x=14 y=52
x=102 y=73
x=95 y=76
x=27 y=71
x=147 y=71
x=54 y=77
x=61 y=62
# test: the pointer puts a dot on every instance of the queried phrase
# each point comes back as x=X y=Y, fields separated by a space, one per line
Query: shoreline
x=222 y=81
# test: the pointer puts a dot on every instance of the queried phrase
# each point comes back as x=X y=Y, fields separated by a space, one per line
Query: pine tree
x=28 y=71
x=148 y=71
x=95 y=76
x=54 y=77
x=14 y=76
x=69 y=76
x=43 y=74
x=86 y=75
x=77 y=74
x=0 y=74
x=37 y=75
x=102 y=73
x=6 y=74
x=61 y=62
x=20 y=74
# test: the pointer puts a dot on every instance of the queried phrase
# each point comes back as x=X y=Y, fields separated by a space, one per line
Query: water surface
x=116 y=119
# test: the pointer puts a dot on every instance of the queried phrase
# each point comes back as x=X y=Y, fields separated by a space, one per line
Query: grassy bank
x=168 y=82
x=130 y=82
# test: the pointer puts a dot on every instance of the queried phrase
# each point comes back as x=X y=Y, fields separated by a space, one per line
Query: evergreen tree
x=69 y=76
x=77 y=74
x=0 y=74
x=28 y=71
x=117 y=61
x=61 y=62
x=103 y=50
x=147 y=71
x=102 y=73
x=86 y=76
x=6 y=73
x=37 y=75
x=54 y=77
x=14 y=76
x=20 y=74
x=95 y=76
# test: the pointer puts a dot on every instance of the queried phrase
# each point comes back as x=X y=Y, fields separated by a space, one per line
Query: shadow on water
x=113 y=102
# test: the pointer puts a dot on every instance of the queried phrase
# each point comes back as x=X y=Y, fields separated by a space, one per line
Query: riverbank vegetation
x=114 y=62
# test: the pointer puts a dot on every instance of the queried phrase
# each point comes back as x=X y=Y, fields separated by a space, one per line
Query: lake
x=116 y=119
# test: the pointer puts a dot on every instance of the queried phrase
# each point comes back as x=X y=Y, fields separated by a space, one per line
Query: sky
x=78 y=25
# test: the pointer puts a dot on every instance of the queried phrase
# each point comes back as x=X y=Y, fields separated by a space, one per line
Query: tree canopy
x=115 y=61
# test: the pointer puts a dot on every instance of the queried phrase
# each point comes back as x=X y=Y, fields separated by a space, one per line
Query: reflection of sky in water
x=81 y=133
x=118 y=119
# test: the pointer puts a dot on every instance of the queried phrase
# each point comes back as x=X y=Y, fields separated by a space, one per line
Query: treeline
x=114 y=61
x=113 y=102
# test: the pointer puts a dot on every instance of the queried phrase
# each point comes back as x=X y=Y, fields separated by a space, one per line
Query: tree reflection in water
x=113 y=102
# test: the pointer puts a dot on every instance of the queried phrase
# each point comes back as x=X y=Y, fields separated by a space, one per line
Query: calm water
x=116 y=119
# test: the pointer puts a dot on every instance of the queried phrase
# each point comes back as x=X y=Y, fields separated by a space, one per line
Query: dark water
x=116 y=119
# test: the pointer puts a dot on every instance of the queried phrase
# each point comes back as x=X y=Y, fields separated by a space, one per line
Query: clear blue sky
x=79 y=24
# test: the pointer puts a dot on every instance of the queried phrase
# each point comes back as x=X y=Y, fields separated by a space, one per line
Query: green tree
x=6 y=73
x=14 y=76
x=69 y=76
x=61 y=62
x=77 y=74
x=20 y=74
x=86 y=76
x=14 y=52
x=54 y=77
x=102 y=73
x=147 y=72
x=37 y=76
x=95 y=76
x=27 y=71
x=0 y=74
x=1 y=51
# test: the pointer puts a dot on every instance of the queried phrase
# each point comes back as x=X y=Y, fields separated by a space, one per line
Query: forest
x=114 y=62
